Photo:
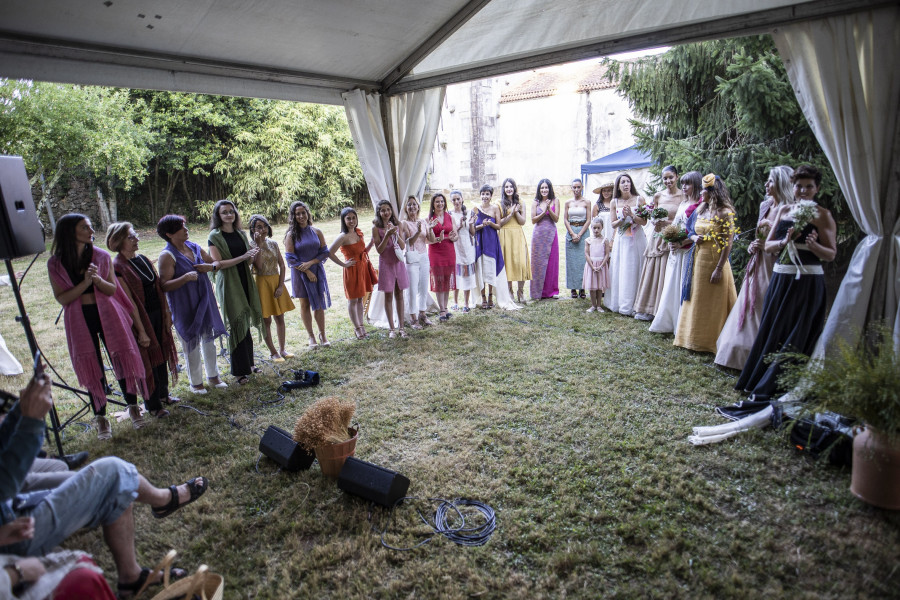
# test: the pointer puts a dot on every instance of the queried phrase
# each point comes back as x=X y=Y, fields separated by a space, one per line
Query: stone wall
x=73 y=196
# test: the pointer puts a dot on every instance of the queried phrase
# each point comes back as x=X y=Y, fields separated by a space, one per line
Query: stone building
x=541 y=123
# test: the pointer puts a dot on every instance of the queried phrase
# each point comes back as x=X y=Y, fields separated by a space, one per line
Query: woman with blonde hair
x=415 y=231
x=739 y=332
x=273 y=295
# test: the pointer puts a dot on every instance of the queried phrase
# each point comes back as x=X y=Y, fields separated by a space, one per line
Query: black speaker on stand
x=21 y=234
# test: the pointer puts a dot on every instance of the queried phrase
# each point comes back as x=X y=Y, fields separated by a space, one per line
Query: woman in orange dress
x=359 y=274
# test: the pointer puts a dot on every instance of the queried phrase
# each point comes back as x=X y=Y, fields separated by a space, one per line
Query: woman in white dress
x=464 y=224
x=666 y=319
x=628 y=247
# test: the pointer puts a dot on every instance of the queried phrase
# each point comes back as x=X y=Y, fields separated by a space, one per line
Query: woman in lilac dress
x=392 y=275
x=182 y=276
x=305 y=252
x=544 y=243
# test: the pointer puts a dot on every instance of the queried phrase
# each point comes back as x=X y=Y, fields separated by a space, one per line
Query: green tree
x=727 y=107
x=63 y=130
x=296 y=152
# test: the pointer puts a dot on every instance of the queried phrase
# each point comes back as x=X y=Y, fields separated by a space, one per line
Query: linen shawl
x=115 y=317
x=240 y=310
x=160 y=350
x=194 y=311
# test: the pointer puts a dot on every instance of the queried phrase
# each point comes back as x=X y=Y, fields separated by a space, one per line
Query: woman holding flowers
x=675 y=235
x=740 y=329
x=804 y=236
x=628 y=246
x=656 y=257
x=708 y=288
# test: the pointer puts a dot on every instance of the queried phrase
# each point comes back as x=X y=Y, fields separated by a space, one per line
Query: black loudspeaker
x=277 y=444
x=381 y=486
x=21 y=234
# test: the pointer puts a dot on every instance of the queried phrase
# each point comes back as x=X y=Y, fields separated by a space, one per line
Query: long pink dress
x=544 y=260
x=596 y=280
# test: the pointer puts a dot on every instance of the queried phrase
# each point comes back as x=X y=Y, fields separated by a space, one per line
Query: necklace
x=136 y=263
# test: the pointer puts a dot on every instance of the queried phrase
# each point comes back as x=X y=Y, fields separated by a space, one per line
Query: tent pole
x=388 y=124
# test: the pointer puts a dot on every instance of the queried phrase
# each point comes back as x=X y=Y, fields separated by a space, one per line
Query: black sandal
x=196 y=489
x=130 y=589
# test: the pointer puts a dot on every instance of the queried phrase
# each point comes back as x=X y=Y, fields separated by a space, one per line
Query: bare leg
x=466 y=296
x=388 y=298
x=281 y=331
x=306 y=317
x=398 y=301
x=320 y=323
x=267 y=335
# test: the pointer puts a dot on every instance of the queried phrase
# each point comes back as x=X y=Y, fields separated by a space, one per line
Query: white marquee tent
x=841 y=55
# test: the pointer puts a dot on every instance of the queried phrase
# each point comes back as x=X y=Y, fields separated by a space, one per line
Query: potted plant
x=860 y=381
x=324 y=428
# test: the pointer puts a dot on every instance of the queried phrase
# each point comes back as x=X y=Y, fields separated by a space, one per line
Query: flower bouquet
x=626 y=224
x=645 y=211
x=673 y=234
x=722 y=232
x=803 y=213
x=659 y=213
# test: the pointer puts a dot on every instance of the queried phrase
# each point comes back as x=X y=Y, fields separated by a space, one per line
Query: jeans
x=96 y=495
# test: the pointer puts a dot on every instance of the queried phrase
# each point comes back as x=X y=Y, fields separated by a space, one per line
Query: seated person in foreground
x=102 y=493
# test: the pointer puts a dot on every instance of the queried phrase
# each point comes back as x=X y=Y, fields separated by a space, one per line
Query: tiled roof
x=540 y=83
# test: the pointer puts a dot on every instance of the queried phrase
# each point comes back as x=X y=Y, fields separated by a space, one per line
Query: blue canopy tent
x=623 y=160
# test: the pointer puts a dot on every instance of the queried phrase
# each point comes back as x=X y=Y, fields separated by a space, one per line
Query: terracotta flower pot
x=332 y=457
x=875 y=478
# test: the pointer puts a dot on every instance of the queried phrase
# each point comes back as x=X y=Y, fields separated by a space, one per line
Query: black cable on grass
x=461 y=535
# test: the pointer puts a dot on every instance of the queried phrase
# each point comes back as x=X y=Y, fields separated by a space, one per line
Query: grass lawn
x=572 y=426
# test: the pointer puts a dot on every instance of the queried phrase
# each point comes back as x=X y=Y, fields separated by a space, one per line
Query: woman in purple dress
x=488 y=255
x=392 y=275
x=305 y=252
x=182 y=276
x=544 y=243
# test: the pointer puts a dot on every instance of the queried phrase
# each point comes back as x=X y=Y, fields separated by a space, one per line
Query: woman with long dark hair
x=306 y=253
x=139 y=279
x=708 y=288
x=392 y=275
x=359 y=274
x=96 y=308
x=235 y=288
x=544 y=243
x=628 y=246
x=441 y=253
x=513 y=244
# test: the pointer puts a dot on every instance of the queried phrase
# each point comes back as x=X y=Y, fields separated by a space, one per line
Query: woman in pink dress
x=544 y=243
x=392 y=276
x=441 y=252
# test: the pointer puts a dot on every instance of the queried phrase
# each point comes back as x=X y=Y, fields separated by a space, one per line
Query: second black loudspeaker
x=378 y=484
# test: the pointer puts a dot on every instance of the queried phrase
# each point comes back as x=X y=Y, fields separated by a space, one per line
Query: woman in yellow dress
x=708 y=291
x=512 y=238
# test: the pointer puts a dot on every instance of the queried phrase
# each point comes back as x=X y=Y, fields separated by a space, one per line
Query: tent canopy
x=629 y=158
x=312 y=51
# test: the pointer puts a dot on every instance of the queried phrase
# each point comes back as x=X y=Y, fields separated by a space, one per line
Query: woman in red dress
x=441 y=252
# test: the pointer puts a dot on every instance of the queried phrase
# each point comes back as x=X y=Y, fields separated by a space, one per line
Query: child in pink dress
x=596 y=265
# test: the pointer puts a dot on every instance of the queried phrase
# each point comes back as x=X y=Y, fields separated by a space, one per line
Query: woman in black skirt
x=794 y=309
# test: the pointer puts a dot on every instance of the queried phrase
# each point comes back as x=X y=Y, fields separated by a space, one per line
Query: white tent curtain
x=413 y=121
x=846 y=74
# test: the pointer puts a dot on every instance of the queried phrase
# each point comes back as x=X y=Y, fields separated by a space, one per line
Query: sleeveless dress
x=544 y=259
x=625 y=267
x=595 y=280
x=267 y=281
x=306 y=248
x=656 y=262
x=465 y=253
x=391 y=272
x=575 y=252
x=442 y=257
x=740 y=329
x=792 y=319
x=703 y=315
x=488 y=256
x=359 y=279
x=514 y=246
x=666 y=319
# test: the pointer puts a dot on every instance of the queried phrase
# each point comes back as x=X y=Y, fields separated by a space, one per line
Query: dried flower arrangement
x=324 y=422
x=674 y=234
